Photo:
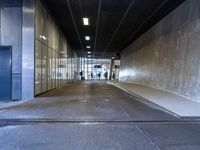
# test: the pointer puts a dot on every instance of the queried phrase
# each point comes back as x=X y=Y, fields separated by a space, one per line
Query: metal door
x=5 y=72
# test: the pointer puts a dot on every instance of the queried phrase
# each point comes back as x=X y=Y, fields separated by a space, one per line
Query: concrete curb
x=144 y=100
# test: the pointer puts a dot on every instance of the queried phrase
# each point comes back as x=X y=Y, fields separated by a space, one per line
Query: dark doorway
x=5 y=72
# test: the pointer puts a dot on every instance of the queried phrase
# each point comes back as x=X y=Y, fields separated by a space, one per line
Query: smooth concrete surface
x=11 y=35
x=85 y=101
x=28 y=52
x=107 y=136
x=167 y=56
x=73 y=137
x=176 y=104
x=104 y=118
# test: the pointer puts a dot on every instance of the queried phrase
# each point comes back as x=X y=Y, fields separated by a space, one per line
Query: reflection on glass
x=38 y=67
x=44 y=68
x=55 y=64
x=49 y=69
x=94 y=68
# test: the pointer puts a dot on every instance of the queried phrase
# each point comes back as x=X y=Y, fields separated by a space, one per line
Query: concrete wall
x=167 y=56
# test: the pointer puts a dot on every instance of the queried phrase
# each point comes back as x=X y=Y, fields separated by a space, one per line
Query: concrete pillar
x=111 y=69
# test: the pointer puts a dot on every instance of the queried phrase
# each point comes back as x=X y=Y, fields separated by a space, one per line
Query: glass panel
x=38 y=67
x=94 y=68
x=44 y=68
x=43 y=36
x=57 y=72
x=55 y=64
x=49 y=69
x=38 y=30
x=53 y=69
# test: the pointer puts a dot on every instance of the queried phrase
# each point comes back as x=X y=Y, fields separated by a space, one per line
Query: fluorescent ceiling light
x=89 y=55
x=86 y=21
x=87 y=38
x=88 y=46
x=44 y=37
x=89 y=52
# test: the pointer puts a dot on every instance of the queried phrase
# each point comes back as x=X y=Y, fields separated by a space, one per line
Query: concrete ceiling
x=114 y=24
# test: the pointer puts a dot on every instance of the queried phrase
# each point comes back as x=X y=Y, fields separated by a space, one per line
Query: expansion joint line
x=146 y=137
x=116 y=30
x=97 y=27
x=74 y=22
x=148 y=18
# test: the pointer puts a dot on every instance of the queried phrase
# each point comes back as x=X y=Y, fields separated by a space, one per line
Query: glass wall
x=94 y=68
x=55 y=64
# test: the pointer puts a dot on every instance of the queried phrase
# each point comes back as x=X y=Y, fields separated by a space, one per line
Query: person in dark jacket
x=106 y=75
x=99 y=75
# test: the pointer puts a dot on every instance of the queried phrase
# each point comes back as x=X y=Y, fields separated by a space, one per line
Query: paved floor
x=93 y=115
